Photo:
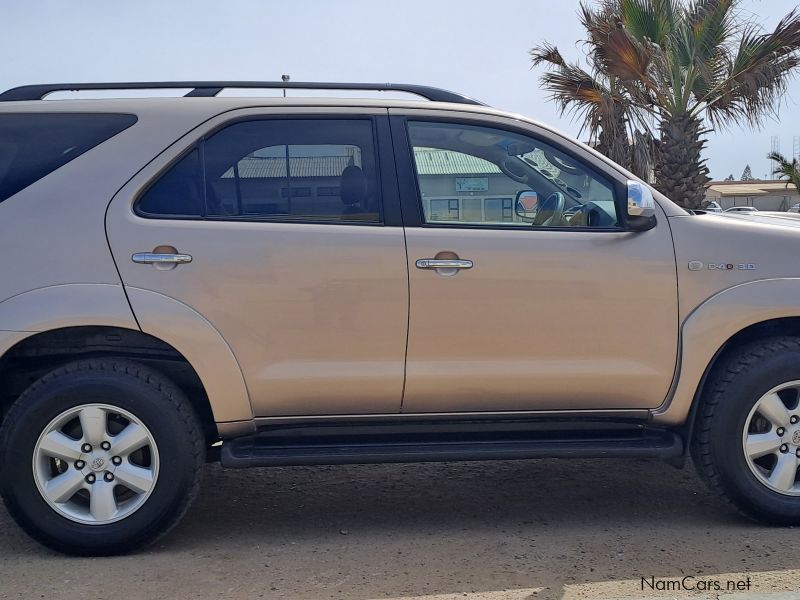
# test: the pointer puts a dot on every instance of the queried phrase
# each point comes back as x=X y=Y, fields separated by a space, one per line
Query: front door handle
x=443 y=263
x=159 y=258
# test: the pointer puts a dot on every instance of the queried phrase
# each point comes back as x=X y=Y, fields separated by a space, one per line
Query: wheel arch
x=38 y=353
x=724 y=322
x=190 y=335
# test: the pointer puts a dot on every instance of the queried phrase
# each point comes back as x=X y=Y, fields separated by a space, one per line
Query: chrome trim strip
x=634 y=414
x=154 y=258
x=436 y=263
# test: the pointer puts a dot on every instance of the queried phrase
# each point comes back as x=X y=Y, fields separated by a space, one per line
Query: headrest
x=353 y=185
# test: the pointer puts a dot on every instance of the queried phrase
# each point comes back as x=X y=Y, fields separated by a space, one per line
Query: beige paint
x=716 y=304
x=542 y=321
x=53 y=232
x=315 y=314
x=313 y=317
x=201 y=344
x=67 y=305
x=546 y=318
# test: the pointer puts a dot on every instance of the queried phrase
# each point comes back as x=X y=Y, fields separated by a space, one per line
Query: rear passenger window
x=288 y=169
x=33 y=145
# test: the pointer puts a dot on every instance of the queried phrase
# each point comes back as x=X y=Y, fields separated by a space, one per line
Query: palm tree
x=601 y=103
x=693 y=66
x=786 y=169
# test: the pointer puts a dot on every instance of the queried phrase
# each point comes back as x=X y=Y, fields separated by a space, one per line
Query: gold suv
x=287 y=280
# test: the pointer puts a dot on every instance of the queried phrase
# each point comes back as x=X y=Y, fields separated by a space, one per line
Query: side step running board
x=266 y=451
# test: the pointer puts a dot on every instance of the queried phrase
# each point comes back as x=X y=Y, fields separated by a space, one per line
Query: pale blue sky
x=476 y=47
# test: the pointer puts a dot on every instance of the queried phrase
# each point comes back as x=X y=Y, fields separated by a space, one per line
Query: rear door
x=549 y=309
x=297 y=252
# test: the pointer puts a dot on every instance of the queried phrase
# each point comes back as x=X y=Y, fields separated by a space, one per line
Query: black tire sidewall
x=177 y=460
x=726 y=441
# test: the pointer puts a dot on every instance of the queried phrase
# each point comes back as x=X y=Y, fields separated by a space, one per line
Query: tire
x=741 y=390
x=95 y=521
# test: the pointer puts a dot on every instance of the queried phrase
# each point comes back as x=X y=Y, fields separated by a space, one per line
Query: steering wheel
x=551 y=210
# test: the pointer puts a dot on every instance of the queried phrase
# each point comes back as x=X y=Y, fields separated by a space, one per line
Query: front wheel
x=100 y=457
x=747 y=439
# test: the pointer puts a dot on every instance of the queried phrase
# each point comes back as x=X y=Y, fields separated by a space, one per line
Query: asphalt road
x=530 y=529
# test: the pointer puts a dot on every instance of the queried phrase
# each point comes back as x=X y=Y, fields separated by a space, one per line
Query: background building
x=764 y=195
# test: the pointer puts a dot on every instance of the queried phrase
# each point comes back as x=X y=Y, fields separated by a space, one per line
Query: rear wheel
x=747 y=440
x=100 y=457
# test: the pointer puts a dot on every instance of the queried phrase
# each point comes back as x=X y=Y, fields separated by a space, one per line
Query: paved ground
x=536 y=529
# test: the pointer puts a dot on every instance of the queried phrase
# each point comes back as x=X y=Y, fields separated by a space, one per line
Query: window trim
x=411 y=193
x=385 y=186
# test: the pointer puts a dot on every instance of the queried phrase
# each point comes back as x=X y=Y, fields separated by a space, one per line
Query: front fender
x=709 y=326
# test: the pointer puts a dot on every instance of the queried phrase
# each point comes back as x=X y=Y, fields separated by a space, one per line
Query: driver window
x=471 y=175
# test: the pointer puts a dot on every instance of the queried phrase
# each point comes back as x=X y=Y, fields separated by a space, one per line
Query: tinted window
x=289 y=169
x=35 y=144
x=484 y=176
x=179 y=192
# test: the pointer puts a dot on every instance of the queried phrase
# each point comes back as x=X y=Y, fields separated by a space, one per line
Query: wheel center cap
x=796 y=437
x=97 y=463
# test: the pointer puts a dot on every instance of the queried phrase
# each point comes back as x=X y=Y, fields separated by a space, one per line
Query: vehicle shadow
x=393 y=531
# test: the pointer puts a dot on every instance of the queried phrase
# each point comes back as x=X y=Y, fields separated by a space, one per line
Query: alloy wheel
x=95 y=464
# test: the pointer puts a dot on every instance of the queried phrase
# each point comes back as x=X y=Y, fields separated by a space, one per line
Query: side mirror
x=527 y=204
x=641 y=207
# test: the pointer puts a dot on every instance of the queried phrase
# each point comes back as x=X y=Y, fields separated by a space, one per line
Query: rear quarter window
x=33 y=145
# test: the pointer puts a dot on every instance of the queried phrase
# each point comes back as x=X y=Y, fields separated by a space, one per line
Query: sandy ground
x=519 y=530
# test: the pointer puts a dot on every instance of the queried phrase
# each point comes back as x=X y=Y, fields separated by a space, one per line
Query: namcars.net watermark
x=692 y=583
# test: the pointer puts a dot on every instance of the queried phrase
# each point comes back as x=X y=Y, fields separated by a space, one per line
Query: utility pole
x=775 y=147
x=285 y=79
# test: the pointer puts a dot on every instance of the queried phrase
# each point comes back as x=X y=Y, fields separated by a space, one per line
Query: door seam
x=405 y=246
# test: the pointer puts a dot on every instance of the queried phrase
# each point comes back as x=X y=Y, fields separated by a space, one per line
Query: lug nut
x=798 y=452
x=79 y=464
x=794 y=419
x=90 y=478
x=105 y=446
x=781 y=431
x=86 y=448
x=784 y=448
x=108 y=477
x=116 y=460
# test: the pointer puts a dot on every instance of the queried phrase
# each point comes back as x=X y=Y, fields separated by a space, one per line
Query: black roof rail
x=212 y=88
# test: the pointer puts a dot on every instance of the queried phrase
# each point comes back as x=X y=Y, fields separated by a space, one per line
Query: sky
x=476 y=47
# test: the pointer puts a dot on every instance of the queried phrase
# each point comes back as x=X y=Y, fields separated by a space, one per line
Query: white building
x=764 y=195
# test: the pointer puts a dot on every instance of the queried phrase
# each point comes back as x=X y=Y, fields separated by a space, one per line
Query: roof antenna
x=285 y=79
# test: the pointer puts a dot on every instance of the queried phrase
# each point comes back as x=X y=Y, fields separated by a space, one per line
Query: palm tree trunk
x=681 y=172
x=613 y=139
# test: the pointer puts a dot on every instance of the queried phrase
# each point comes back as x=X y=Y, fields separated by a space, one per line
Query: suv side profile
x=295 y=281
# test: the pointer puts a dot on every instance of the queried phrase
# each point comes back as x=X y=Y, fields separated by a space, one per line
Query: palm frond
x=756 y=75
x=546 y=53
x=579 y=94
x=786 y=169
x=652 y=20
x=710 y=24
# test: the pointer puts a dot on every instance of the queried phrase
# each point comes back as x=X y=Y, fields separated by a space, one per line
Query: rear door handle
x=441 y=263
x=158 y=258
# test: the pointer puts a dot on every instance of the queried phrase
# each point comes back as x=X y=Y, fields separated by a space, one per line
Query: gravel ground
x=519 y=530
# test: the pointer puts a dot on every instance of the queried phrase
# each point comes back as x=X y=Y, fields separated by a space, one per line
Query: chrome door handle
x=440 y=263
x=157 y=258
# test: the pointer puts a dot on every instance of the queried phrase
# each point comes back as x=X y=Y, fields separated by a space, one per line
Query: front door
x=297 y=255
x=526 y=292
